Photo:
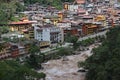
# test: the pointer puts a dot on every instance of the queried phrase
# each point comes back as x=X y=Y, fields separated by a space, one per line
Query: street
x=92 y=35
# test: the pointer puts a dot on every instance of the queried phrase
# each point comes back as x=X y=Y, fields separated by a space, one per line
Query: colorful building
x=66 y=5
x=61 y=16
x=52 y=19
x=89 y=28
x=23 y=27
x=20 y=25
x=72 y=31
x=80 y=1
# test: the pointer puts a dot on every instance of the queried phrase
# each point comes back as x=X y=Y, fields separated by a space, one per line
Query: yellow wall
x=60 y=16
x=44 y=43
x=20 y=27
x=66 y=6
x=100 y=18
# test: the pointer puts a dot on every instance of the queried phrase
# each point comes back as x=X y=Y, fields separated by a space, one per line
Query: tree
x=72 y=39
x=20 y=7
x=4 y=29
x=67 y=0
x=34 y=49
x=104 y=64
x=64 y=51
x=55 y=3
x=36 y=57
x=34 y=61
x=7 y=10
x=12 y=70
x=3 y=17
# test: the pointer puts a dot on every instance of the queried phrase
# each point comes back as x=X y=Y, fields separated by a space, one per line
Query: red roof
x=94 y=26
x=25 y=30
x=80 y=1
x=22 y=22
x=81 y=11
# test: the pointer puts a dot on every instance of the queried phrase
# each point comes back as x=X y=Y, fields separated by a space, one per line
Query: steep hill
x=104 y=64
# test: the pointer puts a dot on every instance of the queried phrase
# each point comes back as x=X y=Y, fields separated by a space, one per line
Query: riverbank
x=66 y=70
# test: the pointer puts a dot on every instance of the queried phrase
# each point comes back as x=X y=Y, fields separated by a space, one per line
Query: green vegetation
x=34 y=49
x=84 y=43
x=64 y=51
x=6 y=39
x=20 y=7
x=55 y=3
x=35 y=60
x=104 y=64
x=48 y=2
x=1 y=47
x=7 y=10
x=87 y=42
x=71 y=39
x=11 y=70
x=4 y=29
x=36 y=57
x=59 y=53
x=67 y=0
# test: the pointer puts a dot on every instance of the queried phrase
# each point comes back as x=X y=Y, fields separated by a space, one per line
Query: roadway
x=80 y=39
x=92 y=35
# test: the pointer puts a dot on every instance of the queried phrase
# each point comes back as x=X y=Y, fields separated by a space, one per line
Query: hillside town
x=51 y=29
x=49 y=26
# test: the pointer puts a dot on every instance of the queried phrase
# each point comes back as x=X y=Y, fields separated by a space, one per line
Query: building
x=52 y=19
x=48 y=34
x=14 y=50
x=64 y=24
x=66 y=5
x=72 y=31
x=23 y=27
x=20 y=25
x=89 y=28
x=5 y=50
x=61 y=16
x=101 y=18
x=9 y=50
x=80 y=1
x=72 y=7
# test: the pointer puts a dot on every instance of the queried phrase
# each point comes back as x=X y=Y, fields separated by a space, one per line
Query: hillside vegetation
x=7 y=10
x=104 y=64
x=54 y=3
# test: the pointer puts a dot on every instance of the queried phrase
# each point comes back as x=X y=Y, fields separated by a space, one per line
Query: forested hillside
x=45 y=1
x=104 y=64
x=55 y=3
x=7 y=10
x=12 y=70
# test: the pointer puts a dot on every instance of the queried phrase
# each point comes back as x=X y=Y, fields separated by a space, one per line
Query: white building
x=64 y=24
x=48 y=33
x=72 y=7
